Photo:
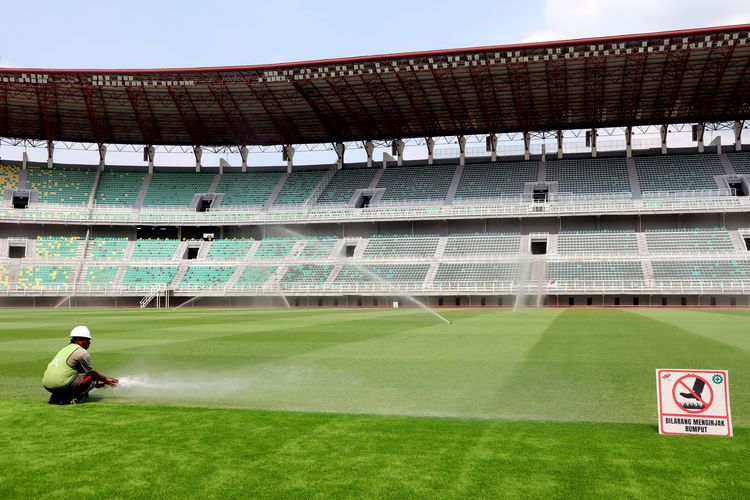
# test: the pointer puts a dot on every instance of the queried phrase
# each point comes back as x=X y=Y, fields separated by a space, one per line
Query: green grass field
x=331 y=403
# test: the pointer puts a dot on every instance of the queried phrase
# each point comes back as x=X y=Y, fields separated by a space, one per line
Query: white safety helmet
x=80 y=331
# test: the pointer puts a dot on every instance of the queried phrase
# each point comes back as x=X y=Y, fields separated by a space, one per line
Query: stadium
x=545 y=181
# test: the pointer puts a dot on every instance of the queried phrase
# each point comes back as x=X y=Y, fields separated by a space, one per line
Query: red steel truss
x=687 y=76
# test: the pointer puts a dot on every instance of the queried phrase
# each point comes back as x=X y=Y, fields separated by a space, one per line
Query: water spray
x=375 y=277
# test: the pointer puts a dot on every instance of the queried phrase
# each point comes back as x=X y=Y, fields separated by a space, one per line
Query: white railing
x=696 y=193
x=495 y=208
x=608 y=287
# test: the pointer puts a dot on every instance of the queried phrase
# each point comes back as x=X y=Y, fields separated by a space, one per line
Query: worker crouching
x=70 y=376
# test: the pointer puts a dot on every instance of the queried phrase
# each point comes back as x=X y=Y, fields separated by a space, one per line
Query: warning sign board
x=694 y=402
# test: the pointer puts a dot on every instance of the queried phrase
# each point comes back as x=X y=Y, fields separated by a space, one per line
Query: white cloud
x=563 y=19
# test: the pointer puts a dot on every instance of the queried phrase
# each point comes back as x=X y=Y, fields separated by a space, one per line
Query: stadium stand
x=678 y=172
x=43 y=277
x=585 y=271
x=298 y=187
x=689 y=242
x=306 y=275
x=387 y=273
x=413 y=184
x=496 y=180
x=57 y=247
x=207 y=276
x=4 y=277
x=597 y=242
x=474 y=245
x=255 y=275
x=119 y=188
x=250 y=189
x=740 y=162
x=588 y=176
x=229 y=249
x=318 y=248
x=274 y=247
x=98 y=276
x=8 y=177
x=104 y=248
x=701 y=270
x=61 y=185
x=154 y=249
x=477 y=272
x=176 y=189
x=394 y=247
x=344 y=183
x=148 y=276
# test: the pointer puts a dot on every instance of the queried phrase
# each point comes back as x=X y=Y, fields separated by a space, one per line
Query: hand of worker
x=112 y=382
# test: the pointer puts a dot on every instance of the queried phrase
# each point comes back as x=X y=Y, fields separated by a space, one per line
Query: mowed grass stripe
x=219 y=453
x=599 y=365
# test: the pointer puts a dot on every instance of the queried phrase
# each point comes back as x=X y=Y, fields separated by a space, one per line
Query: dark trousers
x=75 y=392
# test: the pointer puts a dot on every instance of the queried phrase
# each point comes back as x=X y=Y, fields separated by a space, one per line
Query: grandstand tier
x=176 y=189
x=417 y=184
x=119 y=188
x=61 y=185
x=251 y=189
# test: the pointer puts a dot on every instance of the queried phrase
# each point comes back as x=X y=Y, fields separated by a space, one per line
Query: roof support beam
x=343 y=92
x=486 y=97
x=594 y=86
x=189 y=116
x=520 y=86
x=263 y=98
x=375 y=129
x=408 y=89
x=557 y=91
x=312 y=96
x=377 y=90
x=4 y=129
x=710 y=80
x=243 y=133
x=144 y=115
x=672 y=75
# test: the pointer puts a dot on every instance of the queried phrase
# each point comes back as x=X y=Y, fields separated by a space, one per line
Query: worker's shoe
x=80 y=399
x=57 y=400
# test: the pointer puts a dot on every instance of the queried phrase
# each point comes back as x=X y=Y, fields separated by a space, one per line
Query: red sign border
x=727 y=416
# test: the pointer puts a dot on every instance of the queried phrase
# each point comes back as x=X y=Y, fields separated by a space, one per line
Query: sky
x=140 y=34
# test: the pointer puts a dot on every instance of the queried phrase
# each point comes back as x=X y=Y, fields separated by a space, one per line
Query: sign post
x=694 y=402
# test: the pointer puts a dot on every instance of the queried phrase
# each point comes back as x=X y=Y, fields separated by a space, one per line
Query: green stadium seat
x=176 y=189
x=250 y=189
x=61 y=186
x=119 y=188
x=45 y=277
x=98 y=276
x=298 y=187
x=155 y=249
x=229 y=249
x=255 y=275
x=107 y=248
x=57 y=247
x=206 y=276
x=149 y=276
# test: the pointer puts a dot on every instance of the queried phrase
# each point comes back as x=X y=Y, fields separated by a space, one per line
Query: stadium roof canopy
x=688 y=76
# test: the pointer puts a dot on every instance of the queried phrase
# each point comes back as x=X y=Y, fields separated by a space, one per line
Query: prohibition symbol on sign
x=693 y=393
x=694 y=402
